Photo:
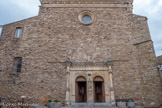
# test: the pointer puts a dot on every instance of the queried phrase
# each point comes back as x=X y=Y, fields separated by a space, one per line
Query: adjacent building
x=159 y=63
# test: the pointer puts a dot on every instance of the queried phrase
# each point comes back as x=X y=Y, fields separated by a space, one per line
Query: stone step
x=90 y=107
x=38 y=107
x=94 y=105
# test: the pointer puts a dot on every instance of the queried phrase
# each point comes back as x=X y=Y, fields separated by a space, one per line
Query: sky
x=15 y=10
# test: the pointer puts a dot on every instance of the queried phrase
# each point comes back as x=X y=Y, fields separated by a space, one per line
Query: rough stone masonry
x=59 y=34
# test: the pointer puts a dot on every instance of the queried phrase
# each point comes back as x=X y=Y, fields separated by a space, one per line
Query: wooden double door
x=98 y=90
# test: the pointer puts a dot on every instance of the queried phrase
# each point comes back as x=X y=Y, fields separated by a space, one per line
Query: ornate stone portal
x=89 y=82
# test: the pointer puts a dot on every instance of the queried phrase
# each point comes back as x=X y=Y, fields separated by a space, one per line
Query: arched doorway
x=81 y=89
x=99 y=90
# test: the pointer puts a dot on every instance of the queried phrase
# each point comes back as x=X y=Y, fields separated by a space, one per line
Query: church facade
x=80 y=51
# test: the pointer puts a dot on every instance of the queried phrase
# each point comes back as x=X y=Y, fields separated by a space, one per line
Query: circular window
x=86 y=18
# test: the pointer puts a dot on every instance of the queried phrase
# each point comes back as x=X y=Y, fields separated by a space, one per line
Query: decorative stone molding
x=110 y=71
x=67 y=72
x=68 y=89
x=90 y=70
x=111 y=89
x=89 y=63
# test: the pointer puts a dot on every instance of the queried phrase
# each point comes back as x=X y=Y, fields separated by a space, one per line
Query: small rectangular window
x=1 y=31
x=18 y=32
x=17 y=64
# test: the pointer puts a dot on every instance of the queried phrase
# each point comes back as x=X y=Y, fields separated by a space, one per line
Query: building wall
x=39 y=77
x=56 y=34
x=160 y=70
x=145 y=56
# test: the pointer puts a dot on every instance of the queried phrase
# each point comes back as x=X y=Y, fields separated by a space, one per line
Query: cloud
x=14 y=10
x=155 y=11
x=27 y=5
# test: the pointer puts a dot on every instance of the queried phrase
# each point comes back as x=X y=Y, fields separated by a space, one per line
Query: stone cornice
x=88 y=5
x=85 y=1
x=143 y=42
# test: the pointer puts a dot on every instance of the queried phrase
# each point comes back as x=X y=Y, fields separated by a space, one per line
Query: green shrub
x=56 y=101
x=50 y=100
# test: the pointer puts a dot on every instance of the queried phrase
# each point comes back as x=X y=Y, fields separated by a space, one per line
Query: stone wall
x=145 y=56
x=56 y=34
x=40 y=79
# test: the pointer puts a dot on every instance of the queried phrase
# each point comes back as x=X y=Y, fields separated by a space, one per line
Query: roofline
x=159 y=56
x=18 y=21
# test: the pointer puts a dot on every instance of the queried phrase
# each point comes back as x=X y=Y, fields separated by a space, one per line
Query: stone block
x=131 y=104
x=54 y=105
x=121 y=104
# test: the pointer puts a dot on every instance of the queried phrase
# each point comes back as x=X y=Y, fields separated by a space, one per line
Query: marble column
x=112 y=96
x=67 y=98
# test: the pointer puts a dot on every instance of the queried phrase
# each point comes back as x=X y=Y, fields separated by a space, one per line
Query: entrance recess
x=81 y=89
x=99 y=92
